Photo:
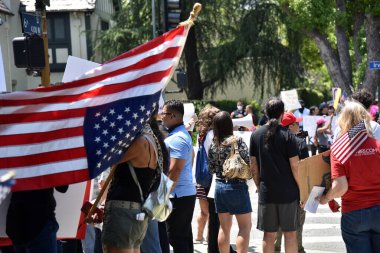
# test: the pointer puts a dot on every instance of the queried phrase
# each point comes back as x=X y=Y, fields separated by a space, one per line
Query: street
x=321 y=232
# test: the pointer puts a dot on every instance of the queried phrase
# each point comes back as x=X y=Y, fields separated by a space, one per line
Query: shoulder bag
x=235 y=167
x=157 y=205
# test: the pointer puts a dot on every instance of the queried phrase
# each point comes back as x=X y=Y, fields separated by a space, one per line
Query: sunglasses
x=166 y=113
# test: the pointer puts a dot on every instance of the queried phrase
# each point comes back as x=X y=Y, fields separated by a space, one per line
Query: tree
x=234 y=38
x=338 y=28
x=230 y=39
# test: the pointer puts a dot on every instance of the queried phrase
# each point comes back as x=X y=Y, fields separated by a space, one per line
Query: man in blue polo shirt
x=179 y=145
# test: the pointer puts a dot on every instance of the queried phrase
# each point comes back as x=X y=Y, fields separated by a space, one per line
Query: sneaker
x=205 y=242
x=198 y=241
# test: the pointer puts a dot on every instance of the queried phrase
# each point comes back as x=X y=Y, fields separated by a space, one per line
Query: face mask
x=240 y=107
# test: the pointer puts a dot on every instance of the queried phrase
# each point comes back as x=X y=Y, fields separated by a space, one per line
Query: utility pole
x=41 y=11
x=154 y=19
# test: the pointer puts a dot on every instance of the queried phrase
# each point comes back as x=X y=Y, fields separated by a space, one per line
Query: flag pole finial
x=193 y=15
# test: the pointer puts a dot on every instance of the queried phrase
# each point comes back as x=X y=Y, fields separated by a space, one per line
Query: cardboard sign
x=290 y=99
x=314 y=171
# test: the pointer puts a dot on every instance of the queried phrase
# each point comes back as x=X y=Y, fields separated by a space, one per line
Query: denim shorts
x=232 y=197
x=121 y=229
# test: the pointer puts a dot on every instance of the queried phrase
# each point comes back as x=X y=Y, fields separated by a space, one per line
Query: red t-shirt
x=362 y=170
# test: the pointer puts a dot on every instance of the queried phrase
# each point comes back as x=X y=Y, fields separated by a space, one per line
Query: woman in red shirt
x=355 y=171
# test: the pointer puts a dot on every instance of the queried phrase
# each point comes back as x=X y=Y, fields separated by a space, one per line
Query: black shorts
x=271 y=217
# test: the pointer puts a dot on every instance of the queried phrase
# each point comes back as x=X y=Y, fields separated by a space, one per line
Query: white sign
x=312 y=202
x=76 y=67
x=310 y=124
x=290 y=99
x=245 y=121
x=189 y=115
x=3 y=85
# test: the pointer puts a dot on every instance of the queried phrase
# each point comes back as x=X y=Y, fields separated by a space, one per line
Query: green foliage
x=133 y=27
x=311 y=96
x=261 y=44
x=310 y=14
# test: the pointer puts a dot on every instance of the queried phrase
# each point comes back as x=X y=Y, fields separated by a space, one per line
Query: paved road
x=321 y=230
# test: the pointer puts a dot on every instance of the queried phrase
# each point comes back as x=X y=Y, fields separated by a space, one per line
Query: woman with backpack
x=231 y=193
x=205 y=136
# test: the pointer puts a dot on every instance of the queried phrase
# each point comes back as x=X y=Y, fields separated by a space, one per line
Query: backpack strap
x=134 y=176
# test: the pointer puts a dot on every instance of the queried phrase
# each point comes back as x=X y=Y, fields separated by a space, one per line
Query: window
x=58 y=29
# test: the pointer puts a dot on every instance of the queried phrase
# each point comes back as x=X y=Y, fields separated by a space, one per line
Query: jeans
x=361 y=230
x=151 y=242
x=45 y=242
x=92 y=242
x=178 y=224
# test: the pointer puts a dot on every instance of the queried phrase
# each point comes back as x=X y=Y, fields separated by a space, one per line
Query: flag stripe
x=37 y=148
x=45 y=158
x=350 y=146
x=96 y=75
x=51 y=168
x=54 y=125
x=41 y=116
x=141 y=90
x=352 y=151
x=57 y=179
x=341 y=150
x=39 y=127
x=340 y=141
x=30 y=138
x=151 y=44
x=106 y=87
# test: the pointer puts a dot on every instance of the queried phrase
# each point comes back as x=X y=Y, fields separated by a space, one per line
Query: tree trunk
x=342 y=45
x=194 y=81
x=331 y=61
x=372 y=76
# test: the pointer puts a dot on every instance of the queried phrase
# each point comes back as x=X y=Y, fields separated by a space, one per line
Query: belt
x=230 y=180
x=123 y=204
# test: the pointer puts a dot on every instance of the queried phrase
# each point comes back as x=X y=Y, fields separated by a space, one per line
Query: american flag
x=347 y=144
x=6 y=182
x=69 y=133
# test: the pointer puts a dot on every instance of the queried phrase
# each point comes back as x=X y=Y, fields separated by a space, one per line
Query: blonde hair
x=351 y=115
x=205 y=119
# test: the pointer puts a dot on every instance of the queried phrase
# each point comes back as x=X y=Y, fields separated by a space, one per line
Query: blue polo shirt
x=179 y=145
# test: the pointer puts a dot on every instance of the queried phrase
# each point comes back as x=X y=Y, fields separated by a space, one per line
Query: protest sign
x=3 y=85
x=290 y=99
x=314 y=171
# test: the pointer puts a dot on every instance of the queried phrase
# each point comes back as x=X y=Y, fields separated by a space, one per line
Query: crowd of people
x=272 y=157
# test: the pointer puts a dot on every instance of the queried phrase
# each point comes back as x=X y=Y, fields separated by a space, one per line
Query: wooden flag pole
x=99 y=197
x=193 y=15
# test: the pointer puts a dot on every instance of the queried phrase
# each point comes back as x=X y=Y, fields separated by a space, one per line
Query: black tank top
x=123 y=187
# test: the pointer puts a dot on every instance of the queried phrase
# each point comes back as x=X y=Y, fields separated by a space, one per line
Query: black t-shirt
x=28 y=213
x=277 y=184
x=302 y=147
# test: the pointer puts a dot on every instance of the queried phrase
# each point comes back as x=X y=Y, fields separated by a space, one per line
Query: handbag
x=157 y=205
x=235 y=167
